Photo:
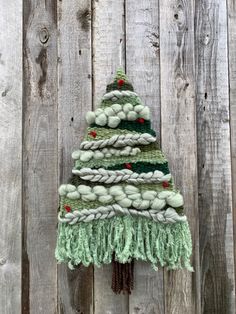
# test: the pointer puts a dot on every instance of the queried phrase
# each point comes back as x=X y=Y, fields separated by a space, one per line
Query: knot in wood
x=43 y=35
x=2 y=261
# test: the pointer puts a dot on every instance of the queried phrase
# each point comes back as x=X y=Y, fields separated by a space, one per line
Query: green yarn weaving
x=121 y=203
x=120 y=77
x=133 y=126
x=140 y=167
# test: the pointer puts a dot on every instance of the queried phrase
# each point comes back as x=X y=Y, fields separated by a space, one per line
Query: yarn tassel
x=143 y=239
x=122 y=276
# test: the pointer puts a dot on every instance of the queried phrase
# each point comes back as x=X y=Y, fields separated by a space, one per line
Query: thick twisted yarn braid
x=167 y=216
x=110 y=176
x=120 y=141
x=119 y=94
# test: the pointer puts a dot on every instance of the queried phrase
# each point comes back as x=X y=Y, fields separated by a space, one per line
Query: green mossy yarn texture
x=121 y=201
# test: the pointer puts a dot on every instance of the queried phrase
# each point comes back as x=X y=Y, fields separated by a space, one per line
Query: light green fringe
x=129 y=237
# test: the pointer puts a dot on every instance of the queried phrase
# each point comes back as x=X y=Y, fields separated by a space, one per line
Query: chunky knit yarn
x=121 y=203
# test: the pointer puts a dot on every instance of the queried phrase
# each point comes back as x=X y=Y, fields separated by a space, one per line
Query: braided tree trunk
x=122 y=277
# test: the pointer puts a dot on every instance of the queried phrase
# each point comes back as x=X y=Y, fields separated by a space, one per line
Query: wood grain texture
x=75 y=288
x=143 y=69
x=108 y=54
x=108 y=43
x=105 y=301
x=214 y=167
x=232 y=97
x=181 y=58
x=40 y=156
x=10 y=156
x=179 y=136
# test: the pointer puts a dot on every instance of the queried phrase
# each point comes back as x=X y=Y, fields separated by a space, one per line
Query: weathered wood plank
x=143 y=69
x=108 y=43
x=214 y=164
x=179 y=136
x=40 y=155
x=75 y=288
x=105 y=301
x=108 y=54
x=232 y=97
x=10 y=156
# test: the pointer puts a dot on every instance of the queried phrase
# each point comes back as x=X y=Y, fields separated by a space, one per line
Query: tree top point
x=120 y=75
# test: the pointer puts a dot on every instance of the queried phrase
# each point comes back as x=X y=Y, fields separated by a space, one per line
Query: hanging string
x=120 y=53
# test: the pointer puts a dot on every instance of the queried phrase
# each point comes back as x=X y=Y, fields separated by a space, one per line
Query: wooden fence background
x=56 y=58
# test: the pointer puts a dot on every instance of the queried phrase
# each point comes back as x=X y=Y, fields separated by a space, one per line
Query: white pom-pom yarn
x=165 y=194
x=132 y=116
x=87 y=155
x=121 y=115
x=175 y=200
x=125 y=202
x=149 y=195
x=116 y=107
x=98 y=112
x=113 y=122
x=113 y=115
x=98 y=155
x=84 y=189
x=127 y=108
x=109 y=111
x=138 y=108
x=90 y=117
x=73 y=195
x=101 y=119
x=125 y=196
x=100 y=190
x=158 y=204
x=116 y=190
x=89 y=197
x=66 y=188
x=145 y=113
x=130 y=189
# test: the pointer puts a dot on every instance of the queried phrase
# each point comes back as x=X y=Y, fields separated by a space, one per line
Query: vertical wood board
x=40 y=155
x=179 y=136
x=10 y=156
x=231 y=15
x=75 y=288
x=108 y=43
x=214 y=166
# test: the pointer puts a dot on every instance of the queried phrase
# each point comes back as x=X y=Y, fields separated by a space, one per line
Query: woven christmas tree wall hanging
x=121 y=203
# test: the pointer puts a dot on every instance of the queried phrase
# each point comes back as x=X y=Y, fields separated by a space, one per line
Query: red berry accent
x=93 y=134
x=140 y=120
x=165 y=184
x=120 y=82
x=67 y=208
x=128 y=166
